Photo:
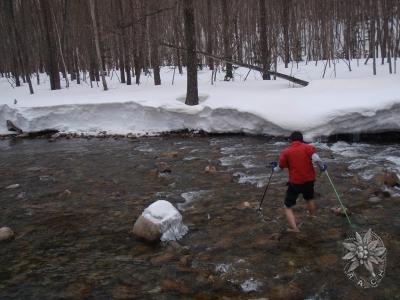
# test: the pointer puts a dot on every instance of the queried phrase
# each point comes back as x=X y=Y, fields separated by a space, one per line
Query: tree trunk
x=97 y=43
x=226 y=38
x=285 y=24
x=52 y=57
x=122 y=44
x=154 y=56
x=210 y=61
x=192 y=97
x=265 y=55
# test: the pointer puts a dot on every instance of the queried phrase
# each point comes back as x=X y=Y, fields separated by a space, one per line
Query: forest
x=87 y=40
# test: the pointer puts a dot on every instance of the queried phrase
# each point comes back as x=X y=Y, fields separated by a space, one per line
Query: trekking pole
x=340 y=201
x=265 y=191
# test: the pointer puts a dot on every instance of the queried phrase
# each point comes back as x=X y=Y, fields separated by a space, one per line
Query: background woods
x=88 y=40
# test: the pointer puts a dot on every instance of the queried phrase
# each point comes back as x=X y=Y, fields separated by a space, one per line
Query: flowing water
x=77 y=200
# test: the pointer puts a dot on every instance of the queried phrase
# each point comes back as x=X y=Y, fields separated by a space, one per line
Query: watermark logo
x=365 y=259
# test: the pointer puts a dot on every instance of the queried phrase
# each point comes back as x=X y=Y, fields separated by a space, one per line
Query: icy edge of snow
x=132 y=117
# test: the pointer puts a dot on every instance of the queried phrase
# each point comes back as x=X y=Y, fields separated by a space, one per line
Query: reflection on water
x=78 y=200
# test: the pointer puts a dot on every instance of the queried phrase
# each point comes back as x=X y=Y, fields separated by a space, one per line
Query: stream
x=77 y=200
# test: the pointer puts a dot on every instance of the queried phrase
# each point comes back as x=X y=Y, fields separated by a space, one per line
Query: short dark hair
x=296 y=136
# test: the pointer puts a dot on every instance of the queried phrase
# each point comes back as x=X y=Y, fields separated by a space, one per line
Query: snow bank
x=353 y=102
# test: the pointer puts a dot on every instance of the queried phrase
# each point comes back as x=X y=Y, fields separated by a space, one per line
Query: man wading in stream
x=299 y=158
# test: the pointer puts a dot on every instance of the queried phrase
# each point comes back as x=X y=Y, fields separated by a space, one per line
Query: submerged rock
x=163 y=167
x=12 y=186
x=340 y=211
x=387 y=178
x=170 y=155
x=374 y=200
x=6 y=233
x=160 y=221
x=210 y=169
x=286 y=292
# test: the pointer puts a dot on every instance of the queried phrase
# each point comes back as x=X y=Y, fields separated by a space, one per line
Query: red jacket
x=297 y=158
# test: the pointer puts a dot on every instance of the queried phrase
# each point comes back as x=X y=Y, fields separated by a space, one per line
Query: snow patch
x=164 y=214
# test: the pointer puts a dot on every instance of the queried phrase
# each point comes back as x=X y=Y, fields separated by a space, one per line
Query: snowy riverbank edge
x=137 y=119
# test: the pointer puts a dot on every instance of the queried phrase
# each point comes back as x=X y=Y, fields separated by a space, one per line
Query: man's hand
x=323 y=168
x=273 y=165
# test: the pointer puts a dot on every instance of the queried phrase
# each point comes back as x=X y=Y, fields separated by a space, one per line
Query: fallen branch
x=32 y=134
x=241 y=64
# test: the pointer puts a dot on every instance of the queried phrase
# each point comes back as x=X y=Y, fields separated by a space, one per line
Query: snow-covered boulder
x=6 y=233
x=160 y=221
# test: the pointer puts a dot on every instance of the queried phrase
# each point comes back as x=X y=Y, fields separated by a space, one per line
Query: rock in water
x=374 y=200
x=160 y=221
x=6 y=233
x=13 y=186
x=387 y=178
x=146 y=229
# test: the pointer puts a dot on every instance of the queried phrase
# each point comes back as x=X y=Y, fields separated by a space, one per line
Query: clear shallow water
x=78 y=200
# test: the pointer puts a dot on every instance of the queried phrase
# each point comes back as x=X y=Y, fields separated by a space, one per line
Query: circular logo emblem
x=365 y=259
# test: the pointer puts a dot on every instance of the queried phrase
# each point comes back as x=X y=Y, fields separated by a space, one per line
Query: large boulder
x=160 y=221
x=6 y=233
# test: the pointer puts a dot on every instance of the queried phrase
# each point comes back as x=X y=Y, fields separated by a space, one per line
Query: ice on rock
x=250 y=285
x=168 y=219
x=223 y=268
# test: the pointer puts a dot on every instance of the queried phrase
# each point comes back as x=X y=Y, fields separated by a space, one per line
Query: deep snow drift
x=352 y=102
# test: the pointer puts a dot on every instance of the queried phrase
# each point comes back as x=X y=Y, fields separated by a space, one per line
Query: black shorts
x=294 y=190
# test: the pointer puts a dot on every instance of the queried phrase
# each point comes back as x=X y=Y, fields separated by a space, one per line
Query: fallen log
x=242 y=64
x=31 y=134
x=12 y=127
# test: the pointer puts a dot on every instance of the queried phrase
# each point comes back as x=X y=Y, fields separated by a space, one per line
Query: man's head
x=296 y=136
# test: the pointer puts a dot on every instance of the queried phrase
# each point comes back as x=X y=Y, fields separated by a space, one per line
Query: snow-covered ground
x=348 y=102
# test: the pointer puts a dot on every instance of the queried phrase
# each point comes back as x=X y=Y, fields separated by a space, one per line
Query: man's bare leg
x=291 y=220
x=311 y=207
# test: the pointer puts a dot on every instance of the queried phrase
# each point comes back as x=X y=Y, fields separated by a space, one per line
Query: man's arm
x=277 y=167
x=317 y=160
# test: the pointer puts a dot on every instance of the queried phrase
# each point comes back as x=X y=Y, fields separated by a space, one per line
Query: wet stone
x=124 y=292
x=374 y=200
x=172 y=154
x=174 y=286
x=6 y=233
x=387 y=178
x=78 y=290
x=289 y=291
x=145 y=229
x=47 y=178
x=21 y=196
x=225 y=243
x=162 y=259
x=327 y=260
x=12 y=186
x=163 y=167
x=210 y=169
x=333 y=234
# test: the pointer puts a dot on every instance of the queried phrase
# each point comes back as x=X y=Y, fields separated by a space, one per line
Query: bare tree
x=92 y=7
x=192 y=97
